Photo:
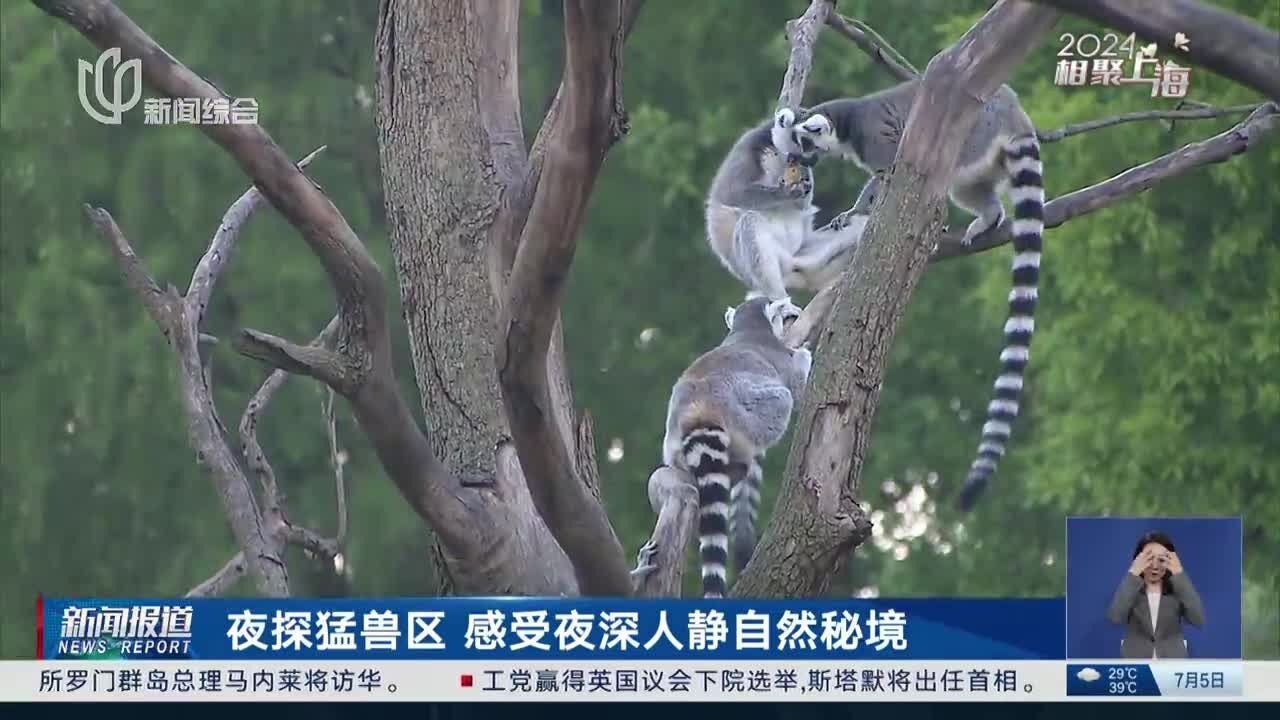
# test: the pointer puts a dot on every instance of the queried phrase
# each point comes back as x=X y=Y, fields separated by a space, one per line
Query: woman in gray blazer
x=1153 y=600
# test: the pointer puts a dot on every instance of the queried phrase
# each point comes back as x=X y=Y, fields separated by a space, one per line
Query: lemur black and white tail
x=1026 y=190
x=706 y=454
x=744 y=505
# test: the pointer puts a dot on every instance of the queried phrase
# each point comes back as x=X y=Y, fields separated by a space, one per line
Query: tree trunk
x=443 y=179
x=818 y=520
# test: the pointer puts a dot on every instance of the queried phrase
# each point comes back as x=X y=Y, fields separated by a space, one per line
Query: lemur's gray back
x=741 y=162
x=719 y=385
x=883 y=115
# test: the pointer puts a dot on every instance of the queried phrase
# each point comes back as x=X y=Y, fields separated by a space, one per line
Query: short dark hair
x=1163 y=540
x=1153 y=536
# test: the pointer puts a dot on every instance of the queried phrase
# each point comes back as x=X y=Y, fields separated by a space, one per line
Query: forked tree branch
x=203 y=280
x=589 y=120
x=220 y=248
x=179 y=319
x=255 y=457
x=817 y=520
x=512 y=219
x=451 y=151
x=362 y=369
x=1222 y=41
x=178 y=323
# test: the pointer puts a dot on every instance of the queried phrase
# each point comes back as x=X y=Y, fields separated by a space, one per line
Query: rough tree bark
x=818 y=520
x=450 y=143
x=464 y=203
x=590 y=120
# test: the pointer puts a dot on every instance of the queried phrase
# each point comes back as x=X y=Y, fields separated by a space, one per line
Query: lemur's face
x=781 y=313
x=788 y=141
x=815 y=135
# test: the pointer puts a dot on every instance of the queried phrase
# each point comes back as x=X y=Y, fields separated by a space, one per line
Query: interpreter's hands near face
x=1140 y=563
x=1175 y=565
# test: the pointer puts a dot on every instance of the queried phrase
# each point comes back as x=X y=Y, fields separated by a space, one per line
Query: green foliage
x=1152 y=389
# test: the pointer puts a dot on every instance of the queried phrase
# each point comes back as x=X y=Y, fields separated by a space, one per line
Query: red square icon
x=465 y=681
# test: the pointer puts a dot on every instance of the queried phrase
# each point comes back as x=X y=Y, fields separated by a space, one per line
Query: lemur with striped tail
x=1001 y=152
x=730 y=406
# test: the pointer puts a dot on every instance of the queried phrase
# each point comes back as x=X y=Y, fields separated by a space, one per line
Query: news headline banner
x=513 y=629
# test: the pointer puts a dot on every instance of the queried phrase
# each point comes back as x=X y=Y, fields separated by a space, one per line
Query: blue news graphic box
x=552 y=628
x=1100 y=551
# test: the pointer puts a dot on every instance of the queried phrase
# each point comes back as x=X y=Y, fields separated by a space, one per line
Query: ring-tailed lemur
x=1001 y=151
x=759 y=214
x=733 y=403
x=747 y=485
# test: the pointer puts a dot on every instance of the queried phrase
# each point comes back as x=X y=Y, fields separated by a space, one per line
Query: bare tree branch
x=507 y=230
x=221 y=581
x=275 y=516
x=323 y=364
x=313 y=542
x=178 y=323
x=178 y=317
x=367 y=375
x=255 y=457
x=220 y=248
x=1203 y=112
x=505 y=239
x=802 y=33
x=817 y=520
x=590 y=119
x=874 y=45
x=1219 y=148
x=1219 y=40
x=337 y=459
x=674 y=497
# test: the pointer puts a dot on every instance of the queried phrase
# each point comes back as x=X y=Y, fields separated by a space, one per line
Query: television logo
x=139 y=631
x=157 y=111
x=114 y=106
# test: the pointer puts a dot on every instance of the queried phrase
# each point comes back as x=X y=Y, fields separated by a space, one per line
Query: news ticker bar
x=635 y=681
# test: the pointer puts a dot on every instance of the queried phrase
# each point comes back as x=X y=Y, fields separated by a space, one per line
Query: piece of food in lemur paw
x=794 y=174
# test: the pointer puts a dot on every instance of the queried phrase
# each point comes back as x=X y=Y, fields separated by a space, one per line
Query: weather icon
x=1089 y=674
